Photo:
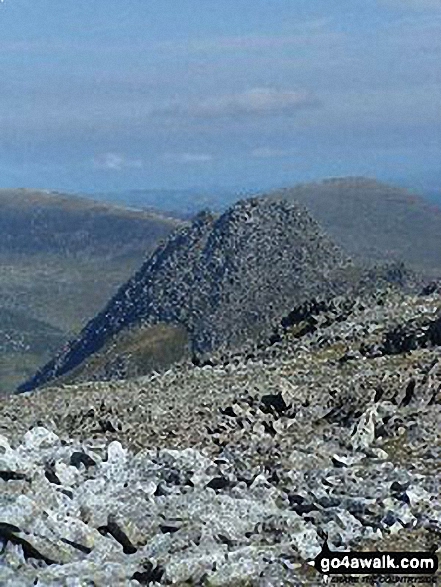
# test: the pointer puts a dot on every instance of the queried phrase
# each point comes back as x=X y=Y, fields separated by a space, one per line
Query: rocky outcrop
x=167 y=516
x=90 y=512
x=234 y=472
x=413 y=335
x=224 y=279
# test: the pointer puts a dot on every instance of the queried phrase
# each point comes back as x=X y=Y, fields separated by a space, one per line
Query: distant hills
x=218 y=280
x=34 y=222
x=375 y=221
x=214 y=284
x=371 y=220
x=182 y=203
x=61 y=258
x=222 y=278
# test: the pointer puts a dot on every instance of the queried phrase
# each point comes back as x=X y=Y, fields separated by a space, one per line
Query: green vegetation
x=24 y=342
x=61 y=259
x=133 y=353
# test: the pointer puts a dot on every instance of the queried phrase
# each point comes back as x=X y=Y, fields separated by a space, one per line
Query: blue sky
x=110 y=95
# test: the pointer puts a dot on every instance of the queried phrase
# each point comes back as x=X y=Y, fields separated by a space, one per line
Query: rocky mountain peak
x=223 y=278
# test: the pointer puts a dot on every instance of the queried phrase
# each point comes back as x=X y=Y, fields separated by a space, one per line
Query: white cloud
x=189 y=157
x=253 y=102
x=115 y=162
x=269 y=153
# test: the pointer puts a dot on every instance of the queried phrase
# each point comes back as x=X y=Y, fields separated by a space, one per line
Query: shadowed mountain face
x=61 y=258
x=375 y=221
x=224 y=279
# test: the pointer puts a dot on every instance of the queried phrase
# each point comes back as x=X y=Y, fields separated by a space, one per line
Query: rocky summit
x=236 y=471
x=223 y=279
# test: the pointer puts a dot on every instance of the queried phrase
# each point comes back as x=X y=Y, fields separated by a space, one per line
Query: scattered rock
x=235 y=472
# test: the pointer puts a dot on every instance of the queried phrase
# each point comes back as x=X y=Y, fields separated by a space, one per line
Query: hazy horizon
x=105 y=96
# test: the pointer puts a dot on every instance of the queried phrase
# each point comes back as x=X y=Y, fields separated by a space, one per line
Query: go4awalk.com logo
x=364 y=563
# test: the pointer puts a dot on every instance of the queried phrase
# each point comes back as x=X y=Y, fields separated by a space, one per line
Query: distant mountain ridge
x=61 y=258
x=33 y=221
x=262 y=251
x=182 y=203
x=374 y=221
x=223 y=278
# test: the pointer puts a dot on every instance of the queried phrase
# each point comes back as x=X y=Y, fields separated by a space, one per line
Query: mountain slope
x=180 y=202
x=223 y=279
x=248 y=467
x=374 y=221
x=35 y=222
x=61 y=258
x=24 y=343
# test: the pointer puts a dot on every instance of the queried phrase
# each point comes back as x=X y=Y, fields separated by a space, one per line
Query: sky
x=107 y=95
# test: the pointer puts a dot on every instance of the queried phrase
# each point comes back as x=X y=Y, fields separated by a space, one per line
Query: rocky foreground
x=236 y=471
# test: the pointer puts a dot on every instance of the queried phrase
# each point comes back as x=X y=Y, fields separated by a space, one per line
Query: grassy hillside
x=24 y=341
x=375 y=221
x=134 y=353
x=61 y=259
